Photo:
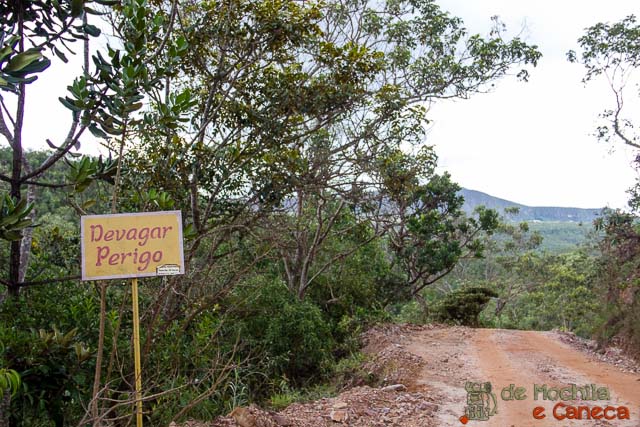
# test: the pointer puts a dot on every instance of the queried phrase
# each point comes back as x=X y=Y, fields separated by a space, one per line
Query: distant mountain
x=473 y=198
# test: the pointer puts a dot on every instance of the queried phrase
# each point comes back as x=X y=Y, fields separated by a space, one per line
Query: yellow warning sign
x=131 y=245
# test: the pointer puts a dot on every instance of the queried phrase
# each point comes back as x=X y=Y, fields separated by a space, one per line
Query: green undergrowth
x=347 y=372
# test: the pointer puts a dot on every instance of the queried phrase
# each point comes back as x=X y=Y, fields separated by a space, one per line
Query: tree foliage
x=428 y=231
x=101 y=100
x=613 y=51
x=282 y=131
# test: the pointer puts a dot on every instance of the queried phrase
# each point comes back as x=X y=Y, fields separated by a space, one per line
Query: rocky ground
x=611 y=355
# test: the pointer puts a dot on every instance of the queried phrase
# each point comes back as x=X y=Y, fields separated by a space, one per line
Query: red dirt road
x=454 y=356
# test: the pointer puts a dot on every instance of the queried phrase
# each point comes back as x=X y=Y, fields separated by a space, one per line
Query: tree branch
x=172 y=18
x=57 y=155
x=49 y=281
x=616 y=122
x=4 y=129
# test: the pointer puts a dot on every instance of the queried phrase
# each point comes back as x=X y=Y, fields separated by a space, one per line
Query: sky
x=533 y=142
x=530 y=143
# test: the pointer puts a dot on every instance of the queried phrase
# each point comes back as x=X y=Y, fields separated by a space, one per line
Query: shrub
x=46 y=338
x=463 y=306
x=284 y=337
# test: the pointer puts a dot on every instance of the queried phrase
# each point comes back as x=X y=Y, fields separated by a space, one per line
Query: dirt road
x=538 y=362
x=423 y=373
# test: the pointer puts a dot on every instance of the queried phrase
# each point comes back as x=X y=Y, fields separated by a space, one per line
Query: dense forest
x=291 y=136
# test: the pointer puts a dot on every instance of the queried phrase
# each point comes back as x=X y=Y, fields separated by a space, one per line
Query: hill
x=559 y=237
x=562 y=229
x=473 y=198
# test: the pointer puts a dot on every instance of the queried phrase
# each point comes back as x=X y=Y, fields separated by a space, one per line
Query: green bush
x=284 y=337
x=347 y=331
x=351 y=371
x=463 y=306
x=53 y=370
x=631 y=329
x=47 y=337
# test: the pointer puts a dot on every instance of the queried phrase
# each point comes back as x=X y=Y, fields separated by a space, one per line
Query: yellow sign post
x=136 y=351
x=131 y=246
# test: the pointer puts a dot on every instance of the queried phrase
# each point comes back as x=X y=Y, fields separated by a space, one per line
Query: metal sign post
x=136 y=351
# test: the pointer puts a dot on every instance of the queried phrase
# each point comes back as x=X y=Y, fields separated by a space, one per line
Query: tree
x=612 y=51
x=427 y=230
x=422 y=54
x=101 y=100
x=514 y=265
x=104 y=100
x=617 y=276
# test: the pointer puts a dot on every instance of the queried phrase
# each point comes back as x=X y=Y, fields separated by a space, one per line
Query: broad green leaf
x=133 y=107
x=97 y=132
x=22 y=60
x=12 y=235
x=5 y=51
x=60 y=54
x=69 y=105
x=36 y=66
x=92 y=30
x=88 y=204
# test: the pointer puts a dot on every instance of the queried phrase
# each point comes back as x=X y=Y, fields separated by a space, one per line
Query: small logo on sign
x=168 y=270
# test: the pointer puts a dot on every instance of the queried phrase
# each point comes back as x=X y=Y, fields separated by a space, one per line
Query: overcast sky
x=532 y=142
x=529 y=142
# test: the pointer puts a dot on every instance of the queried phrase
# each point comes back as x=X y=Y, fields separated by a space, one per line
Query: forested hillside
x=473 y=198
x=562 y=229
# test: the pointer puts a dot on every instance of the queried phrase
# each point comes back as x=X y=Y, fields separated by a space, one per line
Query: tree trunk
x=16 y=167
x=27 y=236
x=5 y=403
x=424 y=307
